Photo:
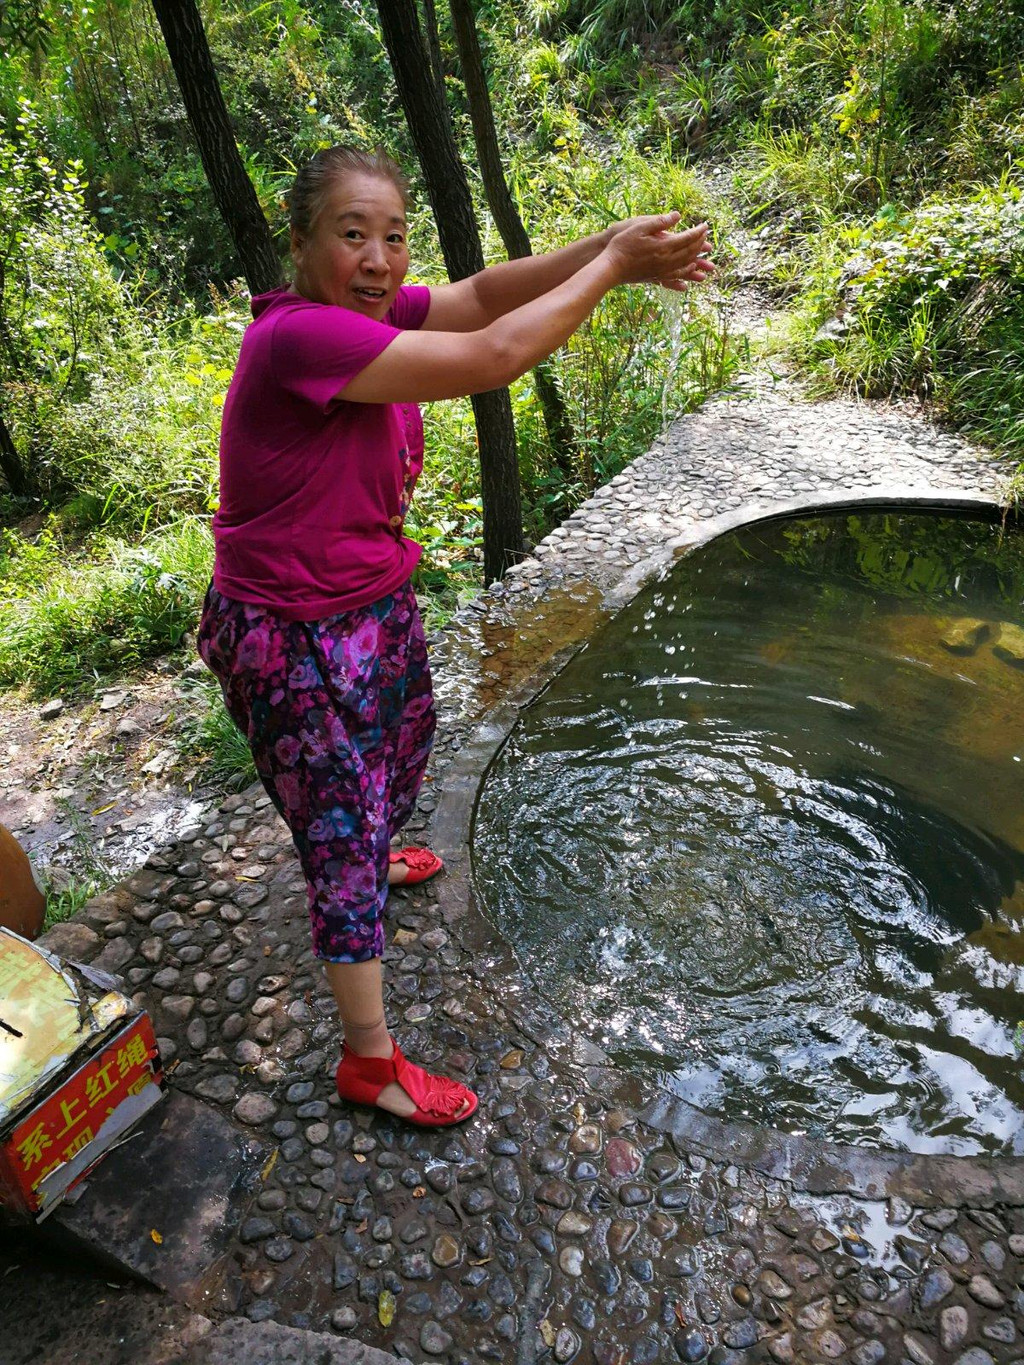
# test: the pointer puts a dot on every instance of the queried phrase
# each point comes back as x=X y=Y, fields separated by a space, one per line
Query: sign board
x=78 y=1068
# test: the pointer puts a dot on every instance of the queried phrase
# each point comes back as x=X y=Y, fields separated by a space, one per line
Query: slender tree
x=506 y=216
x=10 y=463
x=427 y=116
x=182 y=27
x=24 y=25
x=434 y=45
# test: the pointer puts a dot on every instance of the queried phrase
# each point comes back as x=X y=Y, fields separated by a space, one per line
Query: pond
x=763 y=837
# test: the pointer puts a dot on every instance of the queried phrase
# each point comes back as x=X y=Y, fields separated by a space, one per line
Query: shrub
x=115 y=605
x=932 y=302
x=210 y=739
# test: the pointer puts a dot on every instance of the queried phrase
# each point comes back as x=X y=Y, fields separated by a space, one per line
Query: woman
x=310 y=624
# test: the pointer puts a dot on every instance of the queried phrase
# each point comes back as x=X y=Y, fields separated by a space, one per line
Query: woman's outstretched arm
x=423 y=366
x=473 y=303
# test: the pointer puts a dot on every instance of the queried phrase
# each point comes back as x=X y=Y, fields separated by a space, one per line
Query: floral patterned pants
x=339 y=715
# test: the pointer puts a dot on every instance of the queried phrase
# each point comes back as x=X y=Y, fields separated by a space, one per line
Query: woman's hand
x=649 y=250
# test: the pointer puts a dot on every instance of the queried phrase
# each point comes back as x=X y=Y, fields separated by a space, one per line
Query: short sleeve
x=410 y=308
x=317 y=350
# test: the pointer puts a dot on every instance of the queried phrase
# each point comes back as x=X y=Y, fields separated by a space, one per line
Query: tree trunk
x=434 y=47
x=182 y=27
x=448 y=189
x=10 y=463
x=506 y=215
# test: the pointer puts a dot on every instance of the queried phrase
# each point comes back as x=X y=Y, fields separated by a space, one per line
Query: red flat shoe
x=437 y=1099
x=422 y=864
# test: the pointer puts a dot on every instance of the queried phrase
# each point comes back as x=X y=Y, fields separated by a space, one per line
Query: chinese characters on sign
x=69 y=1119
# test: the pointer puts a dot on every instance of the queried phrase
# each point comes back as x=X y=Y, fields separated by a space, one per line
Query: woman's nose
x=373 y=256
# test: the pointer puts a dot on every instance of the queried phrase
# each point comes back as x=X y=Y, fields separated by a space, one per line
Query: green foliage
x=83 y=873
x=210 y=739
x=933 y=304
x=883 y=169
x=111 y=404
x=65 y=618
x=64 y=901
x=24 y=25
x=60 y=307
x=875 y=145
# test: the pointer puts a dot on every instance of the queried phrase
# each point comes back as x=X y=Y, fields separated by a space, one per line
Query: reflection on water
x=765 y=833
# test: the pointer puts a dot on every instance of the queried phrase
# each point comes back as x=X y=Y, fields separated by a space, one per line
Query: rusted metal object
x=22 y=904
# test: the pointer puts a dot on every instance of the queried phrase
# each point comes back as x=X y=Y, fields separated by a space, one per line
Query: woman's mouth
x=370 y=295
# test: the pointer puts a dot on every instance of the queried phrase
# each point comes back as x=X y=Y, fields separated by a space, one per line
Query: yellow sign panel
x=48 y=1014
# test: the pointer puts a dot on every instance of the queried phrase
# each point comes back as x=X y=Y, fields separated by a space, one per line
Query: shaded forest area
x=872 y=151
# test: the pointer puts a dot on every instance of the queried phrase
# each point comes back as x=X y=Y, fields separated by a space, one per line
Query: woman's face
x=356 y=255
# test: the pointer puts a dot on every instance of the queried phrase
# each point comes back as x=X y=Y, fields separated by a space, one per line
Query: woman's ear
x=295 y=245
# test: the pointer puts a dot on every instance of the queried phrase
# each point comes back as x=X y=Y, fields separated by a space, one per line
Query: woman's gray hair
x=314 y=181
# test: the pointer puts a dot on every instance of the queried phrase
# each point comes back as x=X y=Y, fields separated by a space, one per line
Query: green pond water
x=764 y=835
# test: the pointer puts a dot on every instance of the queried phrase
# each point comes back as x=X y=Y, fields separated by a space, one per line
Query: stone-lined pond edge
x=806 y=1164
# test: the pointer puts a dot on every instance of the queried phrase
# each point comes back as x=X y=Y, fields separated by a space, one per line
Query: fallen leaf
x=156 y=1236
x=512 y=1060
x=419 y=1192
x=486 y=1261
x=680 y=1315
x=547 y=1332
x=361 y=1227
x=270 y=1165
x=403 y=936
x=360 y=1158
x=386 y=1305
x=103 y=809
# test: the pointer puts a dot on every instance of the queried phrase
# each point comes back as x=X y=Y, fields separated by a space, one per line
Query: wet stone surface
x=555 y=1225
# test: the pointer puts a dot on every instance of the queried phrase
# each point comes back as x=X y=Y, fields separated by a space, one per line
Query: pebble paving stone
x=555 y=1225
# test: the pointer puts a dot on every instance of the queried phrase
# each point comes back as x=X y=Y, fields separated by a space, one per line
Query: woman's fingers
x=681 y=250
x=694 y=273
x=653 y=248
x=696 y=270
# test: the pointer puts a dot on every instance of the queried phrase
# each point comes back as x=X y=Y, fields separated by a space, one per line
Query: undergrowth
x=875 y=150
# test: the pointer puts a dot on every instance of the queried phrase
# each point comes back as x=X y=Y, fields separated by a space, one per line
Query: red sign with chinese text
x=70 y=1118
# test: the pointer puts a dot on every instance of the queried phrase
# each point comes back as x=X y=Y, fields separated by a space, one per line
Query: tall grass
x=211 y=741
x=932 y=304
x=71 y=618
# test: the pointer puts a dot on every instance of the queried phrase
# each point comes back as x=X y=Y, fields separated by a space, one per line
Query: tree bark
x=448 y=190
x=506 y=216
x=182 y=27
x=434 y=46
x=10 y=463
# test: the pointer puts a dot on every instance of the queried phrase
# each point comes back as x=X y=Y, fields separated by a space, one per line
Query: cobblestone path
x=557 y=1225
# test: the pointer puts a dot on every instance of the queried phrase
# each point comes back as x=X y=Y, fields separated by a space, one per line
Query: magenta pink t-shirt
x=313 y=489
